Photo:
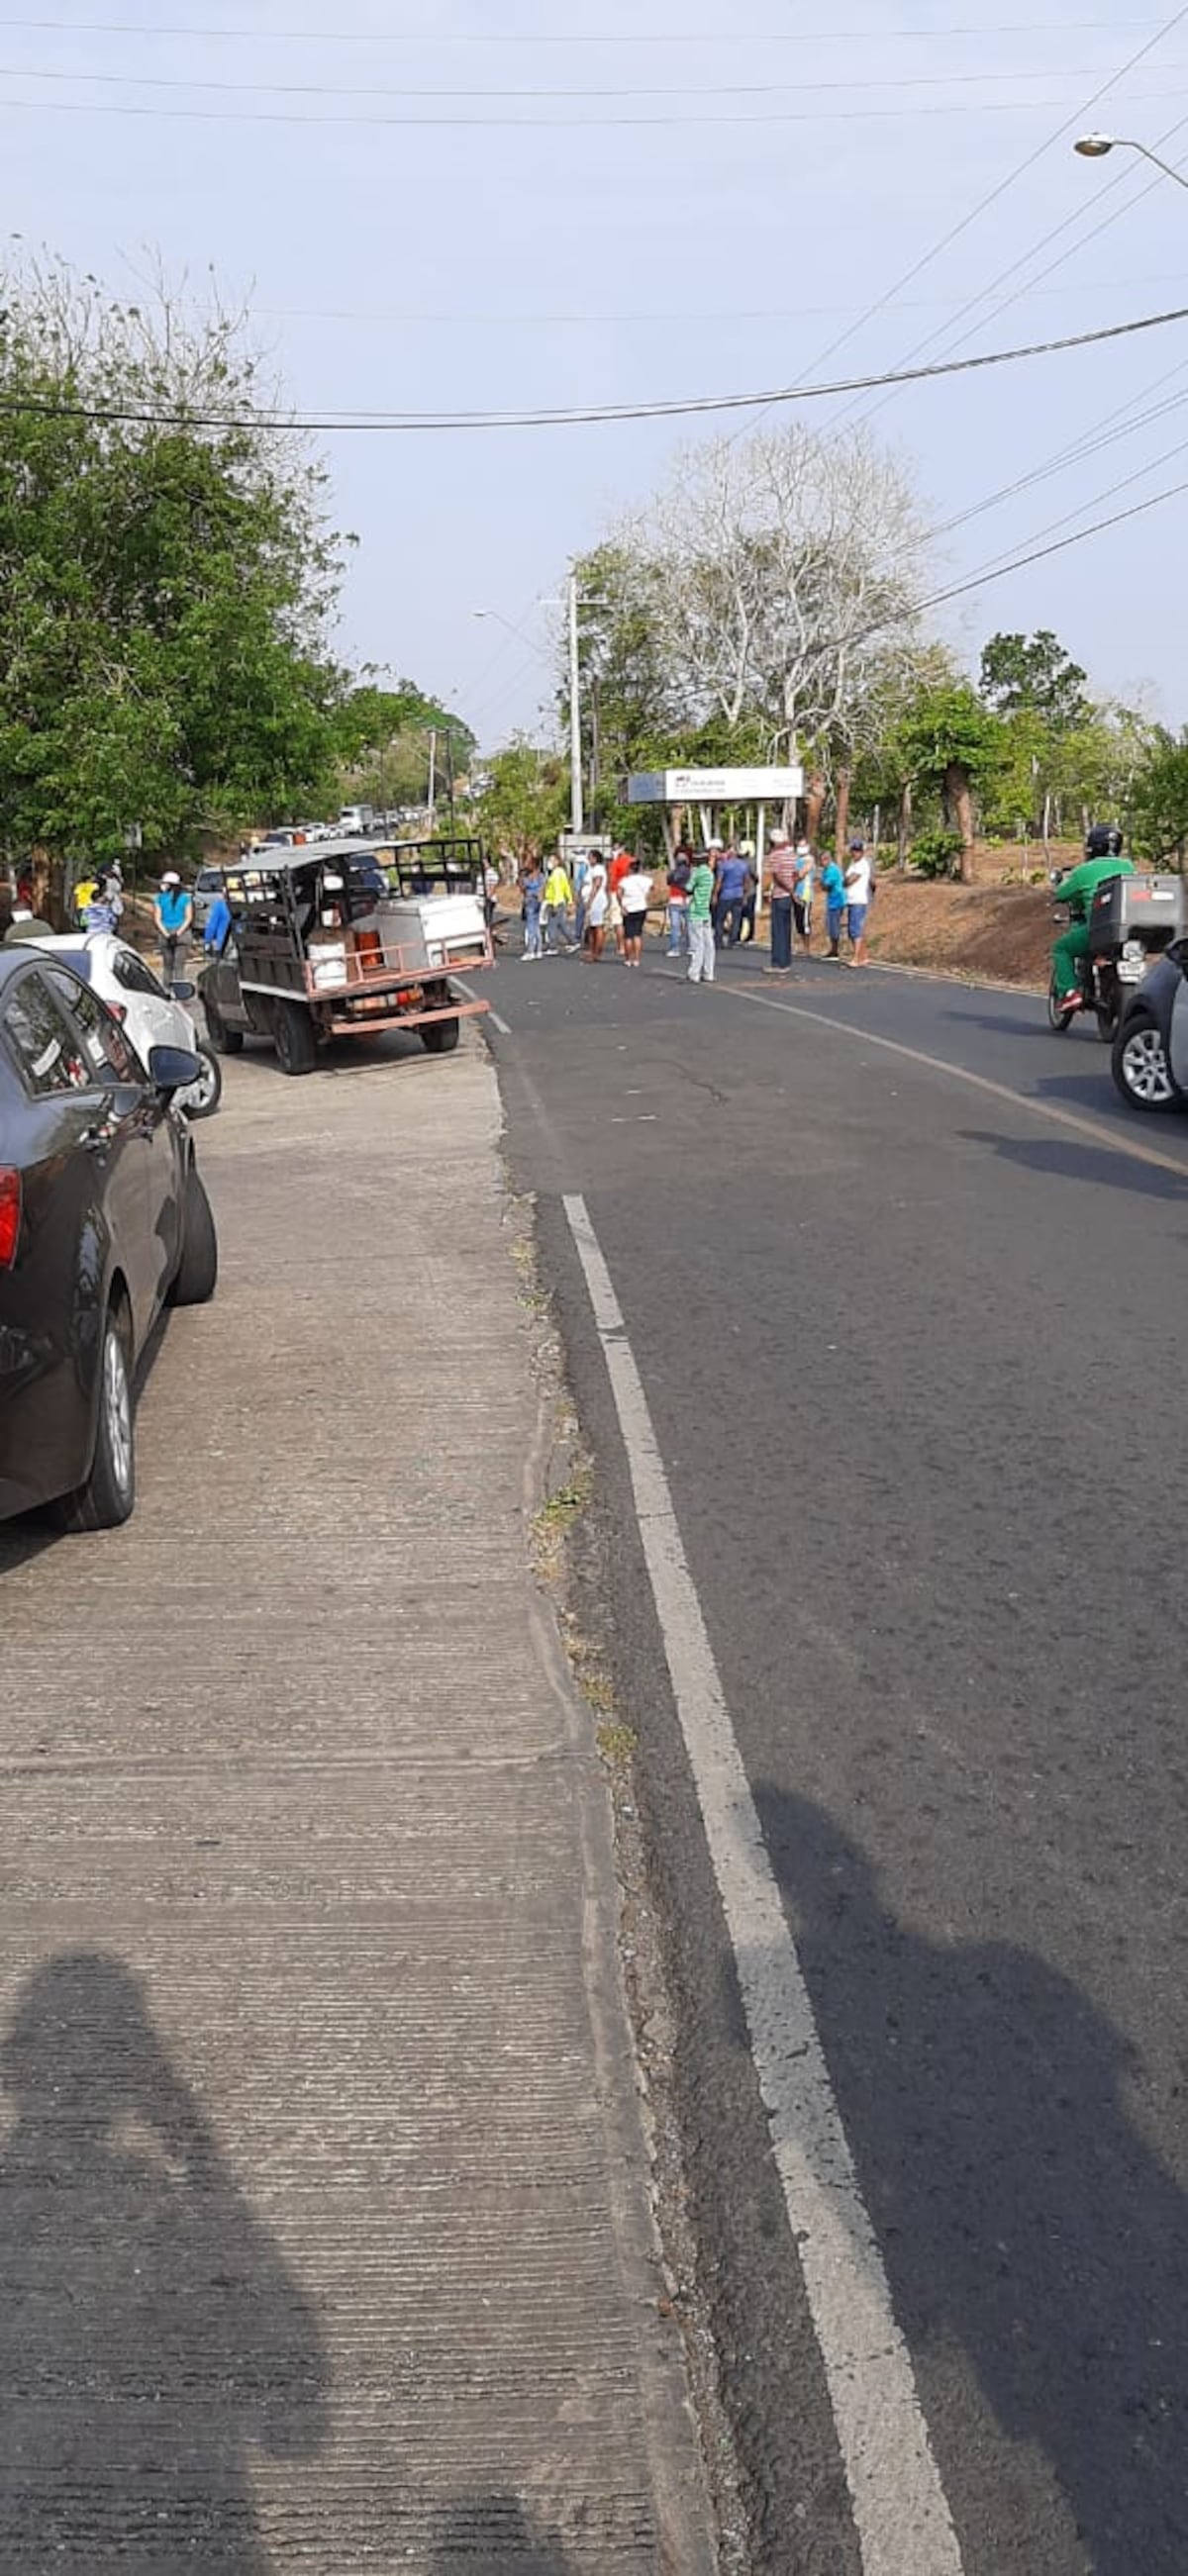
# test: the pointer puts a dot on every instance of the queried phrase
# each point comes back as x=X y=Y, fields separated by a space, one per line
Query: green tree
x=1036 y=674
x=383 y=739
x=949 y=741
x=525 y=802
x=166 y=574
x=1159 y=797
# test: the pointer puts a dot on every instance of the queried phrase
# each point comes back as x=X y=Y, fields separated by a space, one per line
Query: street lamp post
x=1094 y=147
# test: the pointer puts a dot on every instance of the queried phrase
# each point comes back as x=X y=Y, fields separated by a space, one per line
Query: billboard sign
x=714 y=786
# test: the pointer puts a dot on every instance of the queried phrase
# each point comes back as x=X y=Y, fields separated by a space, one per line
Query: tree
x=949 y=741
x=166 y=576
x=1159 y=797
x=1035 y=673
x=760 y=586
x=383 y=740
x=525 y=802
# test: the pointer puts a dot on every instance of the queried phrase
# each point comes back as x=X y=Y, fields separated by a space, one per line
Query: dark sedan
x=1150 y=1059
x=103 y=1219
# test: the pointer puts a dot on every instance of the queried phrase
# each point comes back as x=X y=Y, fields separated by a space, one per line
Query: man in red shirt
x=621 y=866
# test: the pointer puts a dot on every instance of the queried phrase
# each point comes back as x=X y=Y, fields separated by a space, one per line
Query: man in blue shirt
x=734 y=880
x=833 y=887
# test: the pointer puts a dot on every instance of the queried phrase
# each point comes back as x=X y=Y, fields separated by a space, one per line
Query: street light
x=1094 y=147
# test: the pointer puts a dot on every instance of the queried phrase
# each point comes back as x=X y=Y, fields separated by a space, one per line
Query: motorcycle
x=1132 y=920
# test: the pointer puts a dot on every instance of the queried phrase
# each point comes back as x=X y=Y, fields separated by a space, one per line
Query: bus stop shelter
x=709 y=791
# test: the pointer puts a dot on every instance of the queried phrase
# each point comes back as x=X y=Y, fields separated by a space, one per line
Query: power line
x=592 y=415
x=1039 y=554
x=571 y=125
x=673 y=36
x=943 y=331
x=1002 y=186
x=664 y=89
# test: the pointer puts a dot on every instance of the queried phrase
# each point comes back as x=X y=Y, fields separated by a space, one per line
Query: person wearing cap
x=858 y=876
x=802 y=895
x=734 y=877
x=173 y=913
x=783 y=873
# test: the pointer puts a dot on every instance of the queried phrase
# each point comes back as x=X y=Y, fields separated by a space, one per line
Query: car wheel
x=203 y=1097
x=296 y=1040
x=1139 y=1063
x=109 y=1493
x=225 y=1041
x=441 y=1037
x=198 y=1269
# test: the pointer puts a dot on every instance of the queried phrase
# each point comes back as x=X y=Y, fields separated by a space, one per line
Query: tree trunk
x=841 y=825
x=814 y=805
x=959 y=803
x=905 y=821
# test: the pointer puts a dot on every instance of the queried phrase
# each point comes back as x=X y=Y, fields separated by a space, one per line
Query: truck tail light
x=10 y=1215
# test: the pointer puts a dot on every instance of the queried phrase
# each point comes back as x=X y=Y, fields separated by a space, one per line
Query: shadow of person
x=491 y=2535
x=150 y=2335
x=1020 y=2214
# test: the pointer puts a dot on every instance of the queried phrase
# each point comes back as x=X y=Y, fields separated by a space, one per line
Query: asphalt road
x=911 y=1346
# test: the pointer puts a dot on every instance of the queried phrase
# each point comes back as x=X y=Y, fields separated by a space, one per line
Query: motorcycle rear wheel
x=1060 y=1014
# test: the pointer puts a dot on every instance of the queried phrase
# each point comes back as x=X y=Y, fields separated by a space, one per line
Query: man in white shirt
x=858 y=883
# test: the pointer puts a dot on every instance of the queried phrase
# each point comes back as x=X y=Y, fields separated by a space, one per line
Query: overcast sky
x=670 y=210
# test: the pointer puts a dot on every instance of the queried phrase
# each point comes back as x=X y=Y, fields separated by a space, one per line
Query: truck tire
x=441 y=1037
x=224 y=1041
x=295 y=1038
x=108 y=1494
x=198 y=1269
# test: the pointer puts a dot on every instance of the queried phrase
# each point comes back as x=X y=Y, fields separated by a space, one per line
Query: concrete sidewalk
x=324 y=2230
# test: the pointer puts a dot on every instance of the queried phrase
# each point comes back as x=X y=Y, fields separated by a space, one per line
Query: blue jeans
x=781 y=930
x=678 y=928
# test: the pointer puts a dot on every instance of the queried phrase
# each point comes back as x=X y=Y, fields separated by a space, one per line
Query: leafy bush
x=937 y=853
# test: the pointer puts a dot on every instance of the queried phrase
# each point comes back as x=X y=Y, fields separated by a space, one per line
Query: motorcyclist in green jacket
x=1103 y=858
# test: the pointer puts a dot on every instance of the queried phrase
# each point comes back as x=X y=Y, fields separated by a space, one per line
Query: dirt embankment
x=1000 y=933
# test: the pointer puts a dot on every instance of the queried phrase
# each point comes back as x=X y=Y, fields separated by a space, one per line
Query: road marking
x=499 y=1024
x=1070 y=1118
x=900 y=2510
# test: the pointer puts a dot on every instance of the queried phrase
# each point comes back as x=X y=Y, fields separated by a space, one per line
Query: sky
x=500 y=203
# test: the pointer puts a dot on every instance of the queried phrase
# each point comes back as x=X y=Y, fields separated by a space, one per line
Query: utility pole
x=432 y=774
x=577 y=819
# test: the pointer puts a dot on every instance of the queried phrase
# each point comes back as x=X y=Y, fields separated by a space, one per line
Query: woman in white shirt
x=633 y=897
x=597 y=905
x=858 y=877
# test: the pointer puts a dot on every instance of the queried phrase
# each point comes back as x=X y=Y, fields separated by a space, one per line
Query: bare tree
x=781 y=573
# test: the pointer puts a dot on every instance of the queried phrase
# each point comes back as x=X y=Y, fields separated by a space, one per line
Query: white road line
x=499 y=1024
x=900 y=2511
x=1117 y=1142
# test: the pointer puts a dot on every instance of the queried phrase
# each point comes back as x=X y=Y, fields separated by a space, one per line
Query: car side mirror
x=183 y=992
x=173 y=1068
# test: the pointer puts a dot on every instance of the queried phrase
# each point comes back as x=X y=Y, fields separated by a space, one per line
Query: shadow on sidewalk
x=151 y=2337
x=491 y=2535
x=1020 y=2212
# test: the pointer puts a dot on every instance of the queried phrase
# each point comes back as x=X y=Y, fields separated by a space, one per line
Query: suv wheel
x=1139 y=1064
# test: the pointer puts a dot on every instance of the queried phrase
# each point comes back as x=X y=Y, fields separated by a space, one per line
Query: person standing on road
x=633 y=899
x=597 y=907
x=833 y=887
x=679 y=873
x=581 y=881
x=701 y=922
x=558 y=896
x=532 y=887
x=735 y=879
x=858 y=880
x=784 y=866
x=802 y=897
x=173 y=913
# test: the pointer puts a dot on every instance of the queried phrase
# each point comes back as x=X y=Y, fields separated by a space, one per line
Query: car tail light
x=118 y=1010
x=10 y=1215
